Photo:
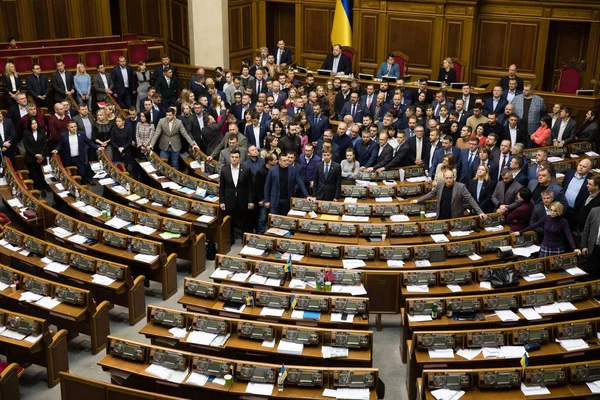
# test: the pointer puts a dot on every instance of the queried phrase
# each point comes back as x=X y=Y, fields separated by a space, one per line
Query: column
x=209 y=32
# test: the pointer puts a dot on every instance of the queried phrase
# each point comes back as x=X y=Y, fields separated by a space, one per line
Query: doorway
x=566 y=41
x=281 y=24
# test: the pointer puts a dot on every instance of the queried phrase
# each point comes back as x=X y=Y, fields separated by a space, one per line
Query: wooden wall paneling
x=134 y=16
x=522 y=46
x=593 y=56
x=60 y=17
x=453 y=38
x=436 y=42
x=261 y=29
x=316 y=37
x=153 y=18
x=298 y=41
x=178 y=31
x=10 y=19
x=491 y=46
x=43 y=26
x=368 y=39
x=241 y=41
x=415 y=39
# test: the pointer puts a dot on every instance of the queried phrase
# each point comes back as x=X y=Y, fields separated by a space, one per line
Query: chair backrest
x=70 y=60
x=458 y=66
x=113 y=56
x=349 y=51
x=138 y=51
x=129 y=36
x=47 y=62
x=402 y=60
x=570 y=80
x=23 y=64
x=93 y=58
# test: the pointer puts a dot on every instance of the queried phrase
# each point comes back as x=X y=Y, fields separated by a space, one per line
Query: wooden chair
x=402 y=60
x=458 y=65
x=9 y=381
x=567 y=77
x=137 y=50
x=350 y=52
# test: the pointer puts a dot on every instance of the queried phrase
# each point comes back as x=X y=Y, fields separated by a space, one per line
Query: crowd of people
x=276 y=137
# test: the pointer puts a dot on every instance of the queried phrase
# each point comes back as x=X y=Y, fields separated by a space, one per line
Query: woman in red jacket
x=541 y=137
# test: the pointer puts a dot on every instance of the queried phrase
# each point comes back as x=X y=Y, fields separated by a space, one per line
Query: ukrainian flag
x=341 y=31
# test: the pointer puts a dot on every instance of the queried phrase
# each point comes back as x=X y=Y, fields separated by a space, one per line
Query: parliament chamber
x=219 y=200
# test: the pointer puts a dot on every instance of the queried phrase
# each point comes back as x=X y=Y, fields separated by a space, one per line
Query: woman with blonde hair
x=292 y=95
x=83 y=86
x=448 y=163
x=447 y=74
x=482 y=188
x=215 y=104
x=103 y=127
x=11 y=81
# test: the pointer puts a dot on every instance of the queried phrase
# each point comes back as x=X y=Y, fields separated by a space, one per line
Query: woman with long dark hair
x=36 y=151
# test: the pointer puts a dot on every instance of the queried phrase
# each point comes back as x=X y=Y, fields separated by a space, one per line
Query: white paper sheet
x=534 y=390
x=419 y=318
x=395 y=263
x=495 y=228
x=507 y=315
x=447 y=394
x=399 y=218
x=440 y=238
x=295 y=213
x=298 y=314
x=422 y=263
x=334 y=352
x=241 y=276
x=79 y=239
x=269 y=344
x=30 y=297
x=286 y=347
x=145 y=258
x=207 y=219
x=573 y=344
x=117 y=223
x=196 y=379
x=547 y=309
x=417 y=288
x=33 y=339
x=262 y=389
x=575 y=271
x=146 y=230
x=469 y=354
x=460 y=233
x=48 y=302
x=444 y=353
x=594 y=386
x=525 y=251
x=353 y=218
x=383 y=199
x=297 y=284
x=60 y=232
x=454 y=288
x=565 y=306
x=178 y=333
x=337 y=317
x=513 y=351
x=272 y=312
x=350 y=200
x=529 y=313
x=13 y=334
x=351 y=264
x=221 y=274
x=492 y=352
x=485 y=285
x=175 y=211
x=102 y=280
x=251 y=251
x=534 y=277
x=56 y=267
x=201 y=338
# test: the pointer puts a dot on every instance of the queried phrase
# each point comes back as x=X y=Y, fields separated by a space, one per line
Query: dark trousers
x=591 y=263
x=284 y=206
x=239 y=218
x=83 y=168
x=125 y=99
x=35 y=171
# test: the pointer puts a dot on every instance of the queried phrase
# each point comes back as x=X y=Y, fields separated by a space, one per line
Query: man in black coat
x=337 y=62
x=38 y=86
x=122 y=77
x=328 y=179
x=236 y=192
x=62 y=82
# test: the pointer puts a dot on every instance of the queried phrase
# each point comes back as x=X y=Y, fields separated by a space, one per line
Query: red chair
x=129 y=36
x=70 y=60
x=93 y=58
x=47 y=63
x=350 y=52
x=23 y=64
x=402 y=60
x=568 y=76
x=138 y=51
x=113 y=56
x=458 y=66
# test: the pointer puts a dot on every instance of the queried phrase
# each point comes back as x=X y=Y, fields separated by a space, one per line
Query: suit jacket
x=504 y=83
x=327 y=188
x=506 y=134
x=286 y=56
x=495 y=154
x=272 y=189
x=118 y=82
x=536 y=111
x=412 y=96
x=492 y=169
x=488 y=105
x=521 y=177
x=402 y=157
x=485 y=196
x=590 y=230
x=585 y=211
x=363 y=101
x=253 y=83
x=344 y=65
x=505 y=94
x=559 y=193
x=366 y=155
x=358 y=113
x=249 y=133
x=425 y=149
x=394 y=70
x=569 y=132
x=59 y=85
x=591 y=133
x=318 y=127
x=64 y=149
x=446 y=102
x=583 y=191
x=9 y=135
x=224 y=154
x=170 y=136
x=80 y=127
x=236 y=197
x=532 y=172
x=507 y=197
x=236 y=110
x=33 y=147
x=14 y=114
x=438 y=157
x=160 y=70
x=38 y=88
x=101 y=89
x=384 y=158
x=460 y=196
x=281 y=97
x=339 y=102
x=168 y=91
x=463 y=161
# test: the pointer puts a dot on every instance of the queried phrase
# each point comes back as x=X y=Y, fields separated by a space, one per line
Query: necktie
x=470 y=160
x=353 y=110
x=369 y=101
x=326 y=170
x=258 y=87
x=503 y=161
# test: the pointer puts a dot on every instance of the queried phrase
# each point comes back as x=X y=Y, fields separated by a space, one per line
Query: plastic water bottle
x=128 y=188
x=77 y=194
x=129 y=248
x=108 y=211
x=202 y=166
x=280 y=382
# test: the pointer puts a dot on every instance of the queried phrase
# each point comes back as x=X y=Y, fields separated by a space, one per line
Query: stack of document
x=79 y=239
x=178 y=333
x=507 y=315
x=251 y=251
x=286 y=347
x=534 y=390
x=417 y=288
x=444 y=353
x=241 y=276
x=102 y=280
x=338 y=317
x=447 y=394
x=262 y=389
x=167 y=374
x=146 y=230
x=594 y=386
x=334 y=352
x=221 y=274
x=469 y=354
x=573 y=344
x=201 y=338
x=145 y=258
x=48 y=302
x=117 y=222
x=351 y=264
x=272 y=312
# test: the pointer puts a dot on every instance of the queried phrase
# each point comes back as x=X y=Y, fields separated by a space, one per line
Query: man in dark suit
x=438 y=155
x=402 y=156
x=495 y=103
x=544 y=182
x=279 y=96
x=592 y=201
x=504 y=197
x=283 y=56
x=512 y=131
x=413 y=96
x=451 y=198
x=589 y=244
x=258 y=85
x=337 y=62
x=85 y=124
x=7 y=137
x=18 y=110
x=318 y=123
x=492 y=142
x=353 y=108
x=589 y=131
x=72 y=147
x=467 y=99
x=167 y=85
x=38 y=86
x=440 y=99
x=460 y=113
x=104 y=85
x=512 y=70
x=484 y=154
x=565 y=130
x=370 y=99
x=541 y=209
x=512 y=91
x=280 y=186
x=236 y=193
x=255 y=133
x=504 y=156
x=240 y=110
x=385 y=154
x=366 y=150
x=519 y=173
x=122 y=77
x=62 y=82
x=467 y=158
x=540 y=156
x=162 y=68
x=575 y=186
x=419 y=147
x=328 y=179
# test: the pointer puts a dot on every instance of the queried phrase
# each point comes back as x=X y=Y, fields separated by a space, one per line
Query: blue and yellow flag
x=249 y=300
x=294 y=301
x=341 y=30
x=283 y=372
x=288 y=265
x=525 y=360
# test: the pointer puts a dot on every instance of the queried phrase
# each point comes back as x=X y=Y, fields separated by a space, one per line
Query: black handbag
x=504 y=277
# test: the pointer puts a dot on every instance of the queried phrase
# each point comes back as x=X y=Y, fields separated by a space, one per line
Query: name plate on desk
x=408 y=229
x=180 y=204
x=159 y=197
x=456 y=277
x=200 y=289
x=499 y=379
x=366 y=176
x=349 y=306
x=349 y=340
x=525 y=240
x=70 y=296
x=235 y=295
x=114 y=240
x=210 y=325
x=254 y=373
x=370 y=230
x=500 y=302
x=354 y=379
x=141 y=190
x=358 y=209
x=167 y=318
x=546 y=376
x=254 y=331
x=576 y=330
x=307 y=274
x=62 y=221
x=491 y=245
x=303 y=336
x=304 y=377
x=169 y=359
x=22 y=325
x=385 y=210
x=437 y=341
x=89 y=231
x=407 y=190
x=394 y=253
x=288 y=224
x=537 y=298
x=143 y=247
x=562 y=262
x=304 y=205
x=419 y=278
x=260 y=243
x=316 y=227
x=589 y=372
x=524 y=268
x=477 y=340
x=287 y=246
x=270 y=270
x=329 y=207
x=461 y=249
x=272 y=301
x=13 y=237
x=209 y=367
x=359 y=253
x=324 y=250
x=125 y=214
x=347 y=277
x=32 y=245
x=434 y=308
x=36 y=286
x=308 y=303
x=338 y=229
x=428 y=228
x=149 y=220
x=448 y=380
x=580 y=147
x=354 y=191
x=572 y=293
x=382 y=191
x=389 y=175
x=413 y=209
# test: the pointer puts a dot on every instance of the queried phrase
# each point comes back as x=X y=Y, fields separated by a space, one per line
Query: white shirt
x=257 y=135
x=168 y=81
x=125 y=76
x=74 y=144
x=87 y=126
x=561 y=130
x=495 y=103
x=35 y=135
x=279 y=54
x=103 y=77
x=336 y=62
x=510 y=96
x=513 y=135
x=13 y=84
x=22 y=111
x=200 y=120
x=466 y=102
x=64 y=78
x=2 y=131
x=235 y=174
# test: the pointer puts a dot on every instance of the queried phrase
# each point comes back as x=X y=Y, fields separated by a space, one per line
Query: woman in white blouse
x=11 y=81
